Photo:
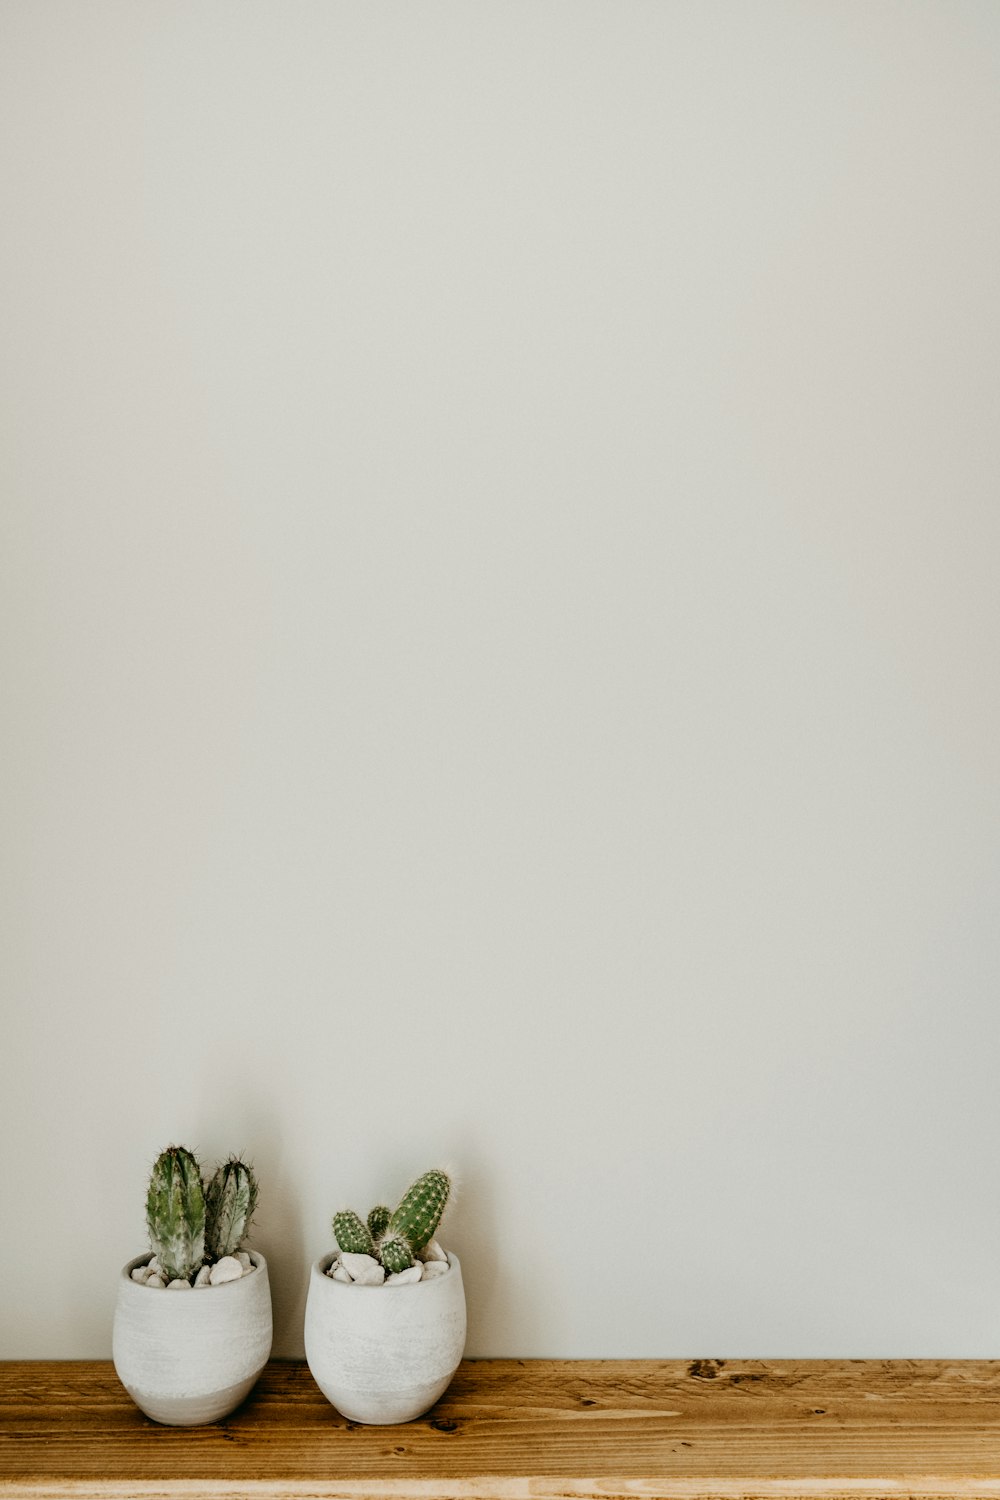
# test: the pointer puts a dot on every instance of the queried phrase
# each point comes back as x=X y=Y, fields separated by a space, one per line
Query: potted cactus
x=189 y=1360
x=385 y=1313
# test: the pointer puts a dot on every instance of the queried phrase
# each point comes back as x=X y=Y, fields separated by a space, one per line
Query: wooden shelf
x=527 y=1430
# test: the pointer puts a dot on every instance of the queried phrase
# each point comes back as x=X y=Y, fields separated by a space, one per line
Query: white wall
x=500 y=621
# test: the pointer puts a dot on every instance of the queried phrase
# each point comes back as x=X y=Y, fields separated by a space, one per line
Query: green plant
x=395 y=1237
x=175 y=1213
x=230 y=1200
x=190 y=1223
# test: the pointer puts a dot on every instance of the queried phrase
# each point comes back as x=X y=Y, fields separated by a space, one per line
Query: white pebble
x=432 y=1251
x=337 y=1273
x=363 y=1269
x=154 y=1267
x=203 y=1277
x=178 y=1285
x=155 y=1280
x=435 y=1268
x=405 y=1278
x=244 y=1260
x=141 y=1275
x=226 y=1269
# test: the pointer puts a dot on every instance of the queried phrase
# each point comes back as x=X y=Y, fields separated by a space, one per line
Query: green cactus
x=394 y=1238
x=394 y=1253
x=230 y=1200
x=175 y=1213
x=352 y=1235
x=378 y=1220
x=420 y=1210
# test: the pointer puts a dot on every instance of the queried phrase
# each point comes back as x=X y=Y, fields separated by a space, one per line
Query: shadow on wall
x=499 y=1310
x=277 y=1230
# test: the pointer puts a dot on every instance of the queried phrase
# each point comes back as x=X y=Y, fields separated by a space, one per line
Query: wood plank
x=527 y=1430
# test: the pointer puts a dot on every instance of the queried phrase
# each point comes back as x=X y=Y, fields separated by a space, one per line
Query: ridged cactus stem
x=352 y=1234
x=230 y=1200
x=394 y=1253
x=419 y=1213
x=378 y=1220
x=175 y=1213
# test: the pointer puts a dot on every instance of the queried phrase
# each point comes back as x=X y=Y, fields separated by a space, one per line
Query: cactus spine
x=230 y=1200
x=395 y=1238
x=175 y=1213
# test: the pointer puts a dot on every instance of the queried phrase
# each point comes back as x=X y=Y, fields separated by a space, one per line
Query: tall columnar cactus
x=230 y=1200
x=395 y=1238
x=419 y=1213
x=175 y=1213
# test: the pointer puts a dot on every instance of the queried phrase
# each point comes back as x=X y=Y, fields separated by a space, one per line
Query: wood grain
x=527 y=1430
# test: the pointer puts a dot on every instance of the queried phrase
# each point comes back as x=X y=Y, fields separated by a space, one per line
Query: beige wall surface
x=499 y=539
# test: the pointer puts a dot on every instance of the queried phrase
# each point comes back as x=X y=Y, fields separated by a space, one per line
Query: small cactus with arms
x=398 y=1242
x=196 y=1229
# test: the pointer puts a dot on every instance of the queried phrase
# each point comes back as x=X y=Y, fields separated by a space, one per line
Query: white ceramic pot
x=189 y=1358
x=384 y=1354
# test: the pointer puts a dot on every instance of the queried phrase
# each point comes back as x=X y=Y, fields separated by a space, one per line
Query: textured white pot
x=384 y=1354
x=186 y=1360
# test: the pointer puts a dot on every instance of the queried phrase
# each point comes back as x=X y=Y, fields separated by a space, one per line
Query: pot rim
x=320 y=1267
x=125 y=1275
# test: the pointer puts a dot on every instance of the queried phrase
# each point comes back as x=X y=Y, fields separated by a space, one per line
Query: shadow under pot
x=384 y=1354
x=187 y=1358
